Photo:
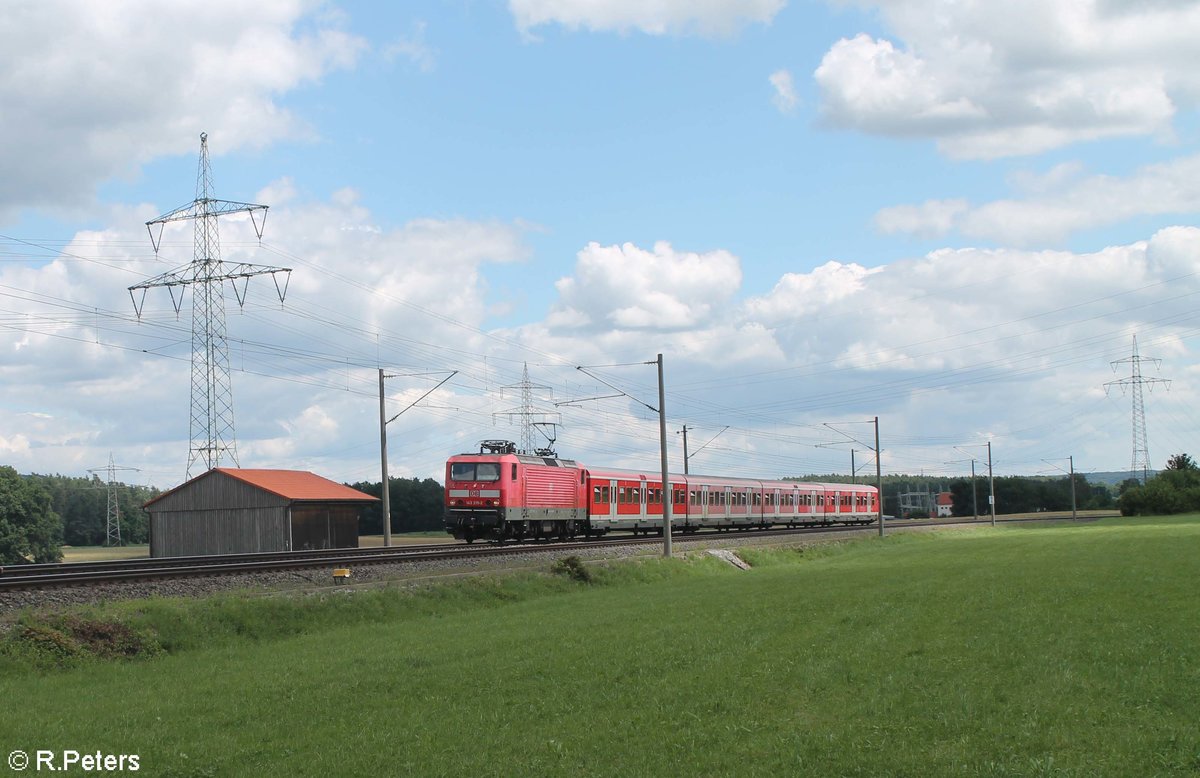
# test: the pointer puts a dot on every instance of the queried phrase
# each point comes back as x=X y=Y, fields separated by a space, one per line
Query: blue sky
x=950 y=216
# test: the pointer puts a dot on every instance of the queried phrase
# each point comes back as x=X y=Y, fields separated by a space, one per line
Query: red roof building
x=232 y=510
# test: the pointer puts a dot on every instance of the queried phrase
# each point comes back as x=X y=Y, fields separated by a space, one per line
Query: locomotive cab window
x=472 y=471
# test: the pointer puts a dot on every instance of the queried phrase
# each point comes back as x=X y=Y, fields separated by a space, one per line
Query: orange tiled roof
x=295 y=484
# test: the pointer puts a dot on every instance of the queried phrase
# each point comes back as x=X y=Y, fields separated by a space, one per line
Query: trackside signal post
x=385 y=497
x=991 y=482
x=878 y=461
x=1070 y=474
x=662 y=435
x=991 y=485
x=878 y=476
x=662 y=442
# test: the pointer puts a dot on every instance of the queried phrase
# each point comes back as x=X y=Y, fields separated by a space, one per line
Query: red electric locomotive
x=500 y=493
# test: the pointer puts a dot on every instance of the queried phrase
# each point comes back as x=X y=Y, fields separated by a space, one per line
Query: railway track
x=47 y=576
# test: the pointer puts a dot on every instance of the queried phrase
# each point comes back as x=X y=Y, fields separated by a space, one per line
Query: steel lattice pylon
x=112 y=523
x=532 y=418
x=212 y=433
x=1141 y=448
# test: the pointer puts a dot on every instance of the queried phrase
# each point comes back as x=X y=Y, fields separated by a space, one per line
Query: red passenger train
x=499 y=494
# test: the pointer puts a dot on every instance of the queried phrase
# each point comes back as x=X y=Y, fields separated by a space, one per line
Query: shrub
x=572 y=567
x=68 y=640
x=109 y=639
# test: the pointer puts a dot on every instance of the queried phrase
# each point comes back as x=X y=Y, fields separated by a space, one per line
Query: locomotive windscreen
x=475 y=471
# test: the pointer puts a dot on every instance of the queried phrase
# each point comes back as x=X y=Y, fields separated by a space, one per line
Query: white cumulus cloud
x=1051 y=207
x=91 y=90
x=990 y=80
x=629 y=288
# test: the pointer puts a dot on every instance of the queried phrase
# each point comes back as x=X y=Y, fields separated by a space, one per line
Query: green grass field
x=1022 y=651
x=104 y=553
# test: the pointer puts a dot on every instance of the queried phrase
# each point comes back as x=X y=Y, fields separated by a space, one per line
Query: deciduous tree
x=30 y=530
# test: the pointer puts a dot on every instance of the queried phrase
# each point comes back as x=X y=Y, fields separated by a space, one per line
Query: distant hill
x=1114 y=478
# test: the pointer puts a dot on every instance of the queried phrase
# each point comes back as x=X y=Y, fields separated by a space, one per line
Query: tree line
x=416 y=505
x=39 y=513
x=1014 y=494
x=1175 y=489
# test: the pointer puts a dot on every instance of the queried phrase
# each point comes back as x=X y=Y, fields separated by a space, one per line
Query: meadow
x=1023 y=651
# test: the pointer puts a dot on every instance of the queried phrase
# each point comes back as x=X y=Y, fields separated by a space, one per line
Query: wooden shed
x=234 y=510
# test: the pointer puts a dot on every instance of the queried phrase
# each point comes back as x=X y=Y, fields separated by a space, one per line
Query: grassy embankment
x=1017 y=651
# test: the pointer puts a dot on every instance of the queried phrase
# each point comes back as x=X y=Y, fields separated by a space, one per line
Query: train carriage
x=500 y=493
x=633 y=500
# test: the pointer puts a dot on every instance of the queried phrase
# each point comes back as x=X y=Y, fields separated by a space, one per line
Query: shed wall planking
x=218 y=531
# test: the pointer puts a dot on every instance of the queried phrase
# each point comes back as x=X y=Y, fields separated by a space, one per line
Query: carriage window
x=596 y=497
x=604 y=495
